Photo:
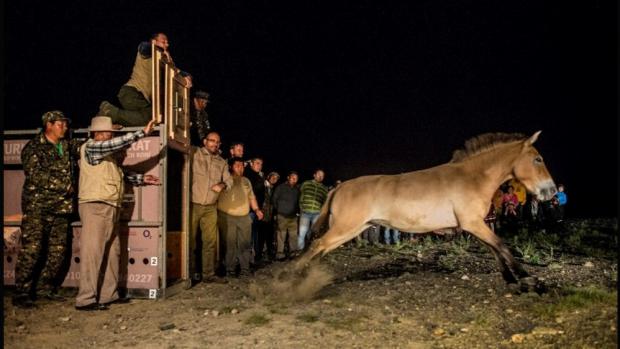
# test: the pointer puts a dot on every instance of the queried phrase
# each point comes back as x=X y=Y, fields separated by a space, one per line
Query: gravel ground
x=418 y=295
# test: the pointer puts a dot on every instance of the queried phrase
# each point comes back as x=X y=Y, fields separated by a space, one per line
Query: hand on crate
x=149 y=127
x=152 y=180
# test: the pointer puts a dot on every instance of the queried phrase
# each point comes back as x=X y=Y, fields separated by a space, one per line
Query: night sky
x=357 y=88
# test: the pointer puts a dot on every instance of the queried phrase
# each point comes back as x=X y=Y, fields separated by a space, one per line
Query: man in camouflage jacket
x=48 y=202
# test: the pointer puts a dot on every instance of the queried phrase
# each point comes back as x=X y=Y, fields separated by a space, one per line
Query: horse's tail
x=319 y=227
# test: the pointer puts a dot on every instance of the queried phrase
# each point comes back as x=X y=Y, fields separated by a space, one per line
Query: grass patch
x=482 y=320
x=225 y=310
x=338 y=304
x=308 y=317
x=428 y=242
x=461 y=244
x=448 y=262
x=349 y=323
x=278 y=309
x=572 y=299
x=257 y=320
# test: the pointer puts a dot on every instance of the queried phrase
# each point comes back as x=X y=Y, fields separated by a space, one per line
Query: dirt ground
x=432 y=293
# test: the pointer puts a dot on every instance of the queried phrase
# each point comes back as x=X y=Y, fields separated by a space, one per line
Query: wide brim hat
x=101 y=124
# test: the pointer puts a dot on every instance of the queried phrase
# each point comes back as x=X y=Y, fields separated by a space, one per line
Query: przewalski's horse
x=455 y=194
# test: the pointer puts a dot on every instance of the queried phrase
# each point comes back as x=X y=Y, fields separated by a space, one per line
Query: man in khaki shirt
x=233 y=208
x=210 y=176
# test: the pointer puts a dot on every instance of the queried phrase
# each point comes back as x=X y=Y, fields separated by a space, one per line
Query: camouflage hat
x=54 y=115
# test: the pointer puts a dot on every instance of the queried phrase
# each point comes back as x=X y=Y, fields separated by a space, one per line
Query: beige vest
x=236 y=201
x=141 y=76
x=102 y=182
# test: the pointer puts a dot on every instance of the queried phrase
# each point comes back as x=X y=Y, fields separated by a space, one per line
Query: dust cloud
x=285 y=284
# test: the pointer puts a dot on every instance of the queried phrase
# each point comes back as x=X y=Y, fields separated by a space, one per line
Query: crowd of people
x=512 y=207
x=242 y=215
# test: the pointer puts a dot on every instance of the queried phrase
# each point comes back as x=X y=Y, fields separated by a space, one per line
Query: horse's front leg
x=506 y=261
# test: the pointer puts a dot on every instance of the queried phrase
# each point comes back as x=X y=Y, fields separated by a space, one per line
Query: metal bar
x=164 y=208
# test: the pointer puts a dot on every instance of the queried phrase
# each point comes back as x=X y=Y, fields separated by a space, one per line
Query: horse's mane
x=483 y=142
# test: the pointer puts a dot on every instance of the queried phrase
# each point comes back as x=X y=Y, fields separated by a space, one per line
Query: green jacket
x=50 y=184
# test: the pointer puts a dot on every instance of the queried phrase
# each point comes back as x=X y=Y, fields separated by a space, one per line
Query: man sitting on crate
x=100 y=198
x=135 y=95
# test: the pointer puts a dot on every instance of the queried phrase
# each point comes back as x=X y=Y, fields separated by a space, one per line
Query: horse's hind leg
x=335 y=236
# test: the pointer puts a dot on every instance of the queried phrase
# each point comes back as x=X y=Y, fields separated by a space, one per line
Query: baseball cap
x=54 y=115
x=201 y=94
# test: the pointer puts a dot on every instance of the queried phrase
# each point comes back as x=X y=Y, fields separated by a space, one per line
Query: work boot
x=23 y=301
x=214 y=279
x=52 y=296
x=121 y=300
x=107 y=109
x=92 y=307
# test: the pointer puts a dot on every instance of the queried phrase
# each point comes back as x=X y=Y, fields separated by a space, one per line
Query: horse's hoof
x=528 y=280
x=513 y=288
x=540 y=287
x=529 y=284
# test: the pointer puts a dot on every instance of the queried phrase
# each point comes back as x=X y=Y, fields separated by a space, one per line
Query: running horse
x=456 y=194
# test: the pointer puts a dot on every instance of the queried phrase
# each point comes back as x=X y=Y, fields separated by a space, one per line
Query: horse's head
x=529 y=168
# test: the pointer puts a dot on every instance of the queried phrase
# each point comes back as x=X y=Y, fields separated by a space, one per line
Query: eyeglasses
x=214 y=141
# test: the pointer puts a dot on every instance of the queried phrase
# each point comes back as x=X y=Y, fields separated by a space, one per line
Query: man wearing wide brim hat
x=48 y=201
x=103 y=124
x=100 y=197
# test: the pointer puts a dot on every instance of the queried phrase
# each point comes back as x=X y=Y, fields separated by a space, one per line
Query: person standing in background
x=233 y=210
x=200 y=119
x=561 y=196
x=210 y=176
x=286 y=205
x=313 y=195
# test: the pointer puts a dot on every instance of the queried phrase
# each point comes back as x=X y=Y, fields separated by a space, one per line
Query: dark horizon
x=355 y=89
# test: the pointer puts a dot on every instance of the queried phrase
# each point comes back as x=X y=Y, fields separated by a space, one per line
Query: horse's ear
x=533 y=139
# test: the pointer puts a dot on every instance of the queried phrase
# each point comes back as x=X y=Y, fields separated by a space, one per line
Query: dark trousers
x=44 y=246
x=136 y=110
x=265 y=241
x=237 y=232
x=255 y=238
